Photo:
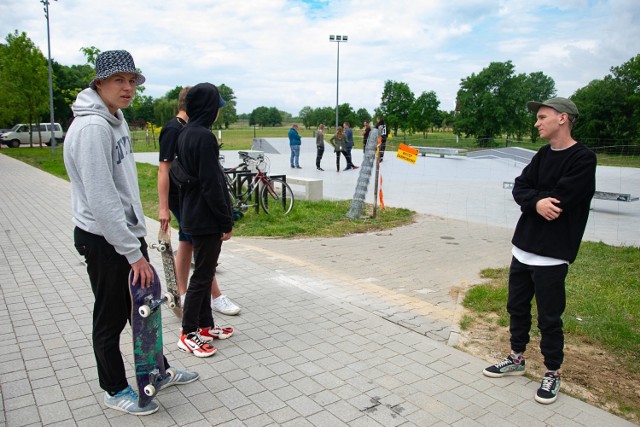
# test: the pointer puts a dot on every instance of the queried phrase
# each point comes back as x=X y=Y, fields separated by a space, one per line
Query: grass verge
x=601 y=323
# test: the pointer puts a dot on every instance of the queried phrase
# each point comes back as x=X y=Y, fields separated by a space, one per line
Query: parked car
x=19 y=134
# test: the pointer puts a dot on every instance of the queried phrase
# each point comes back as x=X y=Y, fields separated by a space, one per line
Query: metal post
x=51 y=119
x=337 y=82
x=338 y=39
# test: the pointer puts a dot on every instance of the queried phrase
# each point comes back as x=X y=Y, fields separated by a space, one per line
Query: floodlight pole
x=338 y=40
x=53 y=138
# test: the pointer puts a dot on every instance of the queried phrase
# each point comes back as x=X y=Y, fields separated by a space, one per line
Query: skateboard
x=146 y=324
x=169 y=265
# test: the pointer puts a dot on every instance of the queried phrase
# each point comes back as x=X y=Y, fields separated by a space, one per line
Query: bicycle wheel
x=276 y=197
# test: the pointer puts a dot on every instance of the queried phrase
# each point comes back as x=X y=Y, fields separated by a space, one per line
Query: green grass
x=323 y=218
x=603 y=299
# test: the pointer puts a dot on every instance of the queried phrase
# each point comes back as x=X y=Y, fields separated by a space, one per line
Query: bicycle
x=256 y=189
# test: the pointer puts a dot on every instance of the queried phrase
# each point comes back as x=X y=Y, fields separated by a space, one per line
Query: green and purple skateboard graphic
x=146 y=324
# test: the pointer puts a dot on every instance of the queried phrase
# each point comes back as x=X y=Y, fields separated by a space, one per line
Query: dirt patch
x=589 y=372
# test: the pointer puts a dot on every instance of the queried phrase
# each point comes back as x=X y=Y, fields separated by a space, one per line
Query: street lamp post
x=46 y=15
x=338 y=40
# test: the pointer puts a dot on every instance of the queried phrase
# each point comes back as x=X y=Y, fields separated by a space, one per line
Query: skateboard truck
x=151 y=305
x=155 y=378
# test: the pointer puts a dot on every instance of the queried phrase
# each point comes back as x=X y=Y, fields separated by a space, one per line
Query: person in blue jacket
x=295 y=142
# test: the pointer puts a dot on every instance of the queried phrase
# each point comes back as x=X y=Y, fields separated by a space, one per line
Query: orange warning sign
x=407 y=153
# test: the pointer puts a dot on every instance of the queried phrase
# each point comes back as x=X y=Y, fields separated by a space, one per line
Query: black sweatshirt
x=567 y=175
x=205 y=208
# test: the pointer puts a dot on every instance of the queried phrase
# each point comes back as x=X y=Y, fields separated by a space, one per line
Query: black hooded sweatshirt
x=205 y=208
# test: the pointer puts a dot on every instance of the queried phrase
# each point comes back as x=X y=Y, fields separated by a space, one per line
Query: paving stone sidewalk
x=333 y=332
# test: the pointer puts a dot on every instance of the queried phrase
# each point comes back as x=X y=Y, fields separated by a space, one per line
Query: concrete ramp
x=281 y=145
x=261 y=144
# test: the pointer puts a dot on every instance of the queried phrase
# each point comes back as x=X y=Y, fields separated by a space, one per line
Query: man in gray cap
x=554 y=193
x=110 y=224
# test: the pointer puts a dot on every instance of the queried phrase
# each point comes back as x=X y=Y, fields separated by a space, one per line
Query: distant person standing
x=554 y=192
x=348 y=134
x=295 y=142
x=365 y=135
x=339 y=142
x=319 y=146
x=382 y=135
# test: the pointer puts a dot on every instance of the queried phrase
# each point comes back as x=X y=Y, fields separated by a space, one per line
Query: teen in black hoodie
x=205 y=214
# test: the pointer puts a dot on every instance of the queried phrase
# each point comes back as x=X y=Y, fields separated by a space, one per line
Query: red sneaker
x=193 y=343
x=215 y=333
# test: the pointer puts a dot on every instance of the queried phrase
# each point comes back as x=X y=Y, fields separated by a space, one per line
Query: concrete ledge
x=441 y=151
x=601 y=195
x=312 y=186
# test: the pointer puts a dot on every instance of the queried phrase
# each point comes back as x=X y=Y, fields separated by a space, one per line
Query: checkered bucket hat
x=111 y=62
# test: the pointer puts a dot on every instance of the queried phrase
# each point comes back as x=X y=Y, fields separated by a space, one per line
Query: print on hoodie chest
x=123 y=148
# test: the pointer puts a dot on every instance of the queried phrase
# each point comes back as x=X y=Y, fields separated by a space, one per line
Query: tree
x=481 y=102
x=228 y=114
x=395 y=105
x=424 y=113
x=609 y=108
x=363 y=116
x=91 y=53
x=603 y=112
x=628 y=74
x=537 y=87
x=494 y=101
x=306 y=117
x=24 y=80
x=67 y=83
x=265 y=116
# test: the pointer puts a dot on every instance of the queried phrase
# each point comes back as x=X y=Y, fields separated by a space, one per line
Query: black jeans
x=109 y=277
x=319 y=154
x=347 y=157
x=548 y=285
x=196 y=312
x=383 y=146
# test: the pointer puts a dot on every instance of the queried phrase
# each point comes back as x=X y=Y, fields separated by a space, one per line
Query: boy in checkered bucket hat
x=109 y=222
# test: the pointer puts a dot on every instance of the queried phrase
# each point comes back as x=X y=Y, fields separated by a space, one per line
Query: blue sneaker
x=127 y=401
x=178 y=377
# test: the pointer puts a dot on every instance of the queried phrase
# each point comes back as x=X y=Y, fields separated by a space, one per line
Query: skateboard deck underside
x=147 y=339
x=169 y=266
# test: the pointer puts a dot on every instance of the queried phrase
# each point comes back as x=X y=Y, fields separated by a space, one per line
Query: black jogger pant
x=109 y=276
x=547 y=284
x=196 y=312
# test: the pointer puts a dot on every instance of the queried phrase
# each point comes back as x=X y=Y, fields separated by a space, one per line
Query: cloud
x=278 y=53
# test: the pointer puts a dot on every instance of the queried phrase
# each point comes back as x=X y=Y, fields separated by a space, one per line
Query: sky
x=277 y=53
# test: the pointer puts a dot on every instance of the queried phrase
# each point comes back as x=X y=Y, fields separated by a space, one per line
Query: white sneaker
x=224 y=305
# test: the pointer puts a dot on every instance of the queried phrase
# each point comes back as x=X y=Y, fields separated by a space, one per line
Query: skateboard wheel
x=171 y=302
x=172 y=372
x=144 y=311
x=149 y=390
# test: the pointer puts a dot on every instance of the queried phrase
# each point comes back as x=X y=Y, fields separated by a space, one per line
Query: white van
x=19 y=134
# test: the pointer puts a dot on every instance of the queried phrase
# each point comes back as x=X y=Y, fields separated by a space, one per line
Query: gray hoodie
x=105 y=198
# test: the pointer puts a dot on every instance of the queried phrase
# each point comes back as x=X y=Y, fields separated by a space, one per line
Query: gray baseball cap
x=561 y=105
